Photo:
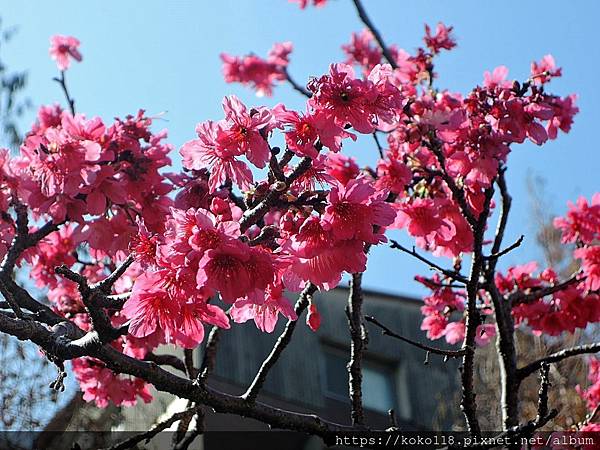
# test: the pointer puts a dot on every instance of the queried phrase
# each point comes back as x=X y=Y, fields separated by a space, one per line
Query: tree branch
x=146 y=436
x=297 y=87
x=63 y=84
x=166 y=360
x=472 y=319
x=358 y=341
x=530 y=368
x=280 y=345
x=449 y=273
x=505 y=328
x=438 y=351
x=376 y=34
x=255 y=214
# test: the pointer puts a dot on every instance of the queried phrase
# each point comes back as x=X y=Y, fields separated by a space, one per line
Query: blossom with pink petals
x=63 y=48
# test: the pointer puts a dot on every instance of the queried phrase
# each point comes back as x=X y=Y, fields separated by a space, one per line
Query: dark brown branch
x=376 y=34
x=58 y=343
x=358 y=341
x=280 y=345
x=508 y=249
x=190 y=369
x=23 y=239
x=297 y=87
x=438 y=351
x=63 y=84
x=505 y=345
x=10 y=300
x=210 y=355
x=378 y=144
x=255 y=214
x=93 y=296
x=530 y=368
x=166 y=360
x=449 y=273
x=107 y=284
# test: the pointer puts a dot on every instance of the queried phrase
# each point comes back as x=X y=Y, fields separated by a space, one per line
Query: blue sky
x=164 y=57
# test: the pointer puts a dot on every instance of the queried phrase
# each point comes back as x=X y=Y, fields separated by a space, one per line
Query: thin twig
x=376 y=34
x=148 y=435
x=297 y=87
x=530 y=368
x=378 y=144
x=280 y=345
x=449 y=273
x=508 y=249
x=438 y=351
x=63 y=84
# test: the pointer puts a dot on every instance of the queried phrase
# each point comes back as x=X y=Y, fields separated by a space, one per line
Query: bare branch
x=209 y=357
x=280 y=345
x=190 y=369
x=146 y=436
x=438 y=351
x=508 y=249
x=472 y=319
x=57 y=342
x=297 y=87
x=63 y=84
x=107 y=284
x=166 y=360
x=543 y=392
x=530 y=368
x=358 y=341
x=449 y=273
x=505 y=328
x=376 y=34
x=378 y=144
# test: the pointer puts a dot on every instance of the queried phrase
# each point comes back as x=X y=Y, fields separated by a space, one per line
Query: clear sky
x=164 y=56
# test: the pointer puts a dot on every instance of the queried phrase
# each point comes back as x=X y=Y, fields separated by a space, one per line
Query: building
x=311 y=375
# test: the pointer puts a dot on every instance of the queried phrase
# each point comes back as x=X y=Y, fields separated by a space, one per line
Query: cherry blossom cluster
x=261 y=74
x=304 y=3
x=364 y=52
x=443 y=314
x=591 y=394
x=581 y=226
x=563 y=311
x=100 y=177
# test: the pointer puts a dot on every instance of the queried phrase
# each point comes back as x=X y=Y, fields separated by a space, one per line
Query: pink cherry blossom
x=62 y=49
x=354 y=210
x=442 y=39
x=265 y=313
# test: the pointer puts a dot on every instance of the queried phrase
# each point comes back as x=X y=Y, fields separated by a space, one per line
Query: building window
x=378 y=385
